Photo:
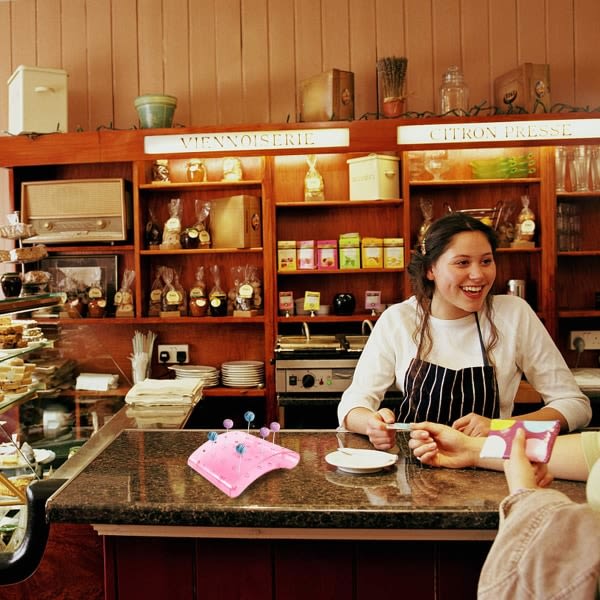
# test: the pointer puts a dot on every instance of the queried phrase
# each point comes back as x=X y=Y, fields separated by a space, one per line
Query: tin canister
x=516 y=287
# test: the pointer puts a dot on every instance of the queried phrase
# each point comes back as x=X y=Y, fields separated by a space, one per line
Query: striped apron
x=434 y=393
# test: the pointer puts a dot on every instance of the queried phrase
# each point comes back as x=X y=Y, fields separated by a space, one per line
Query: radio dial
x=100 y=223
x=48 y=226
x=308 y=380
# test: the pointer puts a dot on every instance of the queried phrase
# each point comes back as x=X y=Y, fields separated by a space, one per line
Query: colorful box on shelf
x=372 y=253
x=393 y=253
x=374 y=177
x=305 y=254
x=327 y=255
x=349 y=251
x=286 y=255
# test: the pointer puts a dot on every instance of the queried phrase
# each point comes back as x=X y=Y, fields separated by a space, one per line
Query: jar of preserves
x=11 y=284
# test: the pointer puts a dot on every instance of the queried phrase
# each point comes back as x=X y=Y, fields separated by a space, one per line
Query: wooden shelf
x=578 y=313
x=338 y=271
x=339 y=204
x=357 y=317
x=182 y=252
x=581 y=253
x=204 y=185
x=222 y=391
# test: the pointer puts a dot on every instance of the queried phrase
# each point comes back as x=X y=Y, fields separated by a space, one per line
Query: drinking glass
x=560 y=165
x=436 y=163
x=595 y=159
x=580 y=169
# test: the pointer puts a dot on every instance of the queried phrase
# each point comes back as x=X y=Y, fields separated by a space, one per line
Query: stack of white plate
x=210 y=375
x=243 y=373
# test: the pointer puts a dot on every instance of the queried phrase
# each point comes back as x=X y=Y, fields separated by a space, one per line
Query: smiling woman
x=456 y=352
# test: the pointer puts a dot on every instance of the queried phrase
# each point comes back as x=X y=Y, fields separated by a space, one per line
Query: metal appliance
x=311 y=372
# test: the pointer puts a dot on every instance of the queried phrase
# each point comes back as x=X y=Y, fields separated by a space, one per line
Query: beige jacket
x=547 y=547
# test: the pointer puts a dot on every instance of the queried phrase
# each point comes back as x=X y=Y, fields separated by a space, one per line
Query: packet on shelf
x=393 y=253
x=305 y=254
x=372 y=253
x=286 y=255
x=327 y=255
x=349 y=244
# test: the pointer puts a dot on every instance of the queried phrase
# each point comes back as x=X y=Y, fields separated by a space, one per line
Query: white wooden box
x=374 y=177
x=37 y=100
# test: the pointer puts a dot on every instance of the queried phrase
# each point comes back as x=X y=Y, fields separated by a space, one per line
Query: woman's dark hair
x=437 y=238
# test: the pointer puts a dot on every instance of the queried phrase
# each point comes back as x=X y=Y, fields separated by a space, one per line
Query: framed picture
x=81 y=271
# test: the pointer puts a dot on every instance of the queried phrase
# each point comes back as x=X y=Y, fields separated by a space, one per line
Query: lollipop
x=275 y=427
x=212 y=436
x=240 y=449
x=249 y=417
x=264 y=432
x=228 y=424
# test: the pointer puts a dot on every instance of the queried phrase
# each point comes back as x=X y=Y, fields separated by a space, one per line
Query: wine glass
x=436 y=163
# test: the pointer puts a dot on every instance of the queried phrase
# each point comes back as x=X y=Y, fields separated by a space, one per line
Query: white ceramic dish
x=360 y=460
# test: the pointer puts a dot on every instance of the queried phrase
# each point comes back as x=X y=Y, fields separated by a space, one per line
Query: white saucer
x=361 y=460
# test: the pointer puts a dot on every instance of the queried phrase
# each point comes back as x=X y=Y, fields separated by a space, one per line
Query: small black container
x=11 y=284
x=344 y=304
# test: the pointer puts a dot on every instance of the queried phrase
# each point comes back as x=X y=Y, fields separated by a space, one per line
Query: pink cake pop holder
x=232 y=471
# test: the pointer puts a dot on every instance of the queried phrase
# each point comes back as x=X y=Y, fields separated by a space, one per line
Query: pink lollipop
x=275 y=427
x=228 y=423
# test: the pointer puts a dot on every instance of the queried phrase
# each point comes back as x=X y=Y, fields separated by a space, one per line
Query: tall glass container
x=454 y=93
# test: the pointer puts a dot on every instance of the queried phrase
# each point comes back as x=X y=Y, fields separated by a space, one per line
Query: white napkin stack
x=98 y=382
x=154 y=392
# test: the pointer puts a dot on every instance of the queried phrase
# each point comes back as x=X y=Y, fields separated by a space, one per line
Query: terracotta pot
x=393 y=107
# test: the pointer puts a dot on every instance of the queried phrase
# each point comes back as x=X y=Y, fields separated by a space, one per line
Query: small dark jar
x=12 y=284
x=344 y=304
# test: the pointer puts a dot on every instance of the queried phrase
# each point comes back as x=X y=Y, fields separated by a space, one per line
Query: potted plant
x=391 y=73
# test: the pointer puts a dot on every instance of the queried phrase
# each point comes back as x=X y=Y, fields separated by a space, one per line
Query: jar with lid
x=11 y=284
x=454 y=93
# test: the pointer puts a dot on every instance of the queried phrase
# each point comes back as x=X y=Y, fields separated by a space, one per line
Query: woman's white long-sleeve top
x=524 y=346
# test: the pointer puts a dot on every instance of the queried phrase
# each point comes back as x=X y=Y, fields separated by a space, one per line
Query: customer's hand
x=381 y=437
x=473 y=424
x=441 y=446
x=520 y=473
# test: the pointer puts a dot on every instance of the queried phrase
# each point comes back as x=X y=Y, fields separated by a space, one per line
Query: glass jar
x=454 y=93
x=11 y=284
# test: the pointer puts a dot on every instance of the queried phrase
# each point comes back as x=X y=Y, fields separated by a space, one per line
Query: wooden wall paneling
x=177 y=57
x=99 y=63
x=561 y=50
x=125 y=62
x=335 y=35
x=531 y=31
x=447 y=42
x=49 y=36
x=255 y=64
x=24 y=33
x=422 y=90
x=74 y=49
x=363 y=56
x=586 y=51
x=282 y=69
x=229 y=61
x=309 y=53
x=203 y=68
x=5 y=61
x=150 y=47
x=476 y=50
x=503 y=38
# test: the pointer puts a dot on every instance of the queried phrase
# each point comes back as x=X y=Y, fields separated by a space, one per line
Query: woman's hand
x=473 y=424
x=381 y=437
x=520 y=473
x=442 y=446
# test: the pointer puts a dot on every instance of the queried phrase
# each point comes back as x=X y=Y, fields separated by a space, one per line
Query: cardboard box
x=393 y=253
x=372 y=253
x=235 y=222
x=327 y=255
x=526 y=87
x=374 y=177
x=328 y=96
x=37 y=100
x=305 y=254
x=350 y=258
x=286 y=255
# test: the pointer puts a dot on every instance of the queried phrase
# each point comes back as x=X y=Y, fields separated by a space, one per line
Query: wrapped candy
x=124 y=297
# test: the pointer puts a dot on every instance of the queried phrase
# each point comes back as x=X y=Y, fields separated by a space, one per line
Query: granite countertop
x=142 y=478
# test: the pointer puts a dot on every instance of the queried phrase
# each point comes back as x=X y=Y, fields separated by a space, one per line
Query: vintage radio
x=76 y=210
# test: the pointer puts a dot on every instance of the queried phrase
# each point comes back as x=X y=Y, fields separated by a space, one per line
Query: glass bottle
x=454 y=93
